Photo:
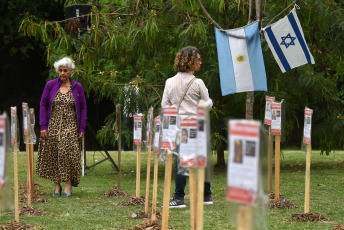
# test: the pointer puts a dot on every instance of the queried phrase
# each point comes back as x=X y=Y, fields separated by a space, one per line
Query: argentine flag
x=287 y=42
x=241 y=61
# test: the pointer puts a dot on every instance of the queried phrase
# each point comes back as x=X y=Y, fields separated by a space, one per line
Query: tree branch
x=274 y=18
x=211 y=20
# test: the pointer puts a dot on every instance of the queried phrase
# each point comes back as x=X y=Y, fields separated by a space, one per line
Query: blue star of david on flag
x=291 y=40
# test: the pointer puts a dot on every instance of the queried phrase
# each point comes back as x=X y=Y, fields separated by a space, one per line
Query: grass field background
x=86 y=209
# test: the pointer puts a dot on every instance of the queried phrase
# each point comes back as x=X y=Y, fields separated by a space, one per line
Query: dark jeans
x=180 y=181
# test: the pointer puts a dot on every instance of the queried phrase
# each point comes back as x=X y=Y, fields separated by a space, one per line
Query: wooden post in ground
x=28 y=182
x=200 y=198
x=167 y=191
x=193 y=198
x=83 y=156
x=148 y=163
x=32 y=124
x=138 y=169
x=270 y=148
x=245 y=217
x=277 y=167
x=119 y=139
x=15 y=162
x=308 y=177
x=155 y=186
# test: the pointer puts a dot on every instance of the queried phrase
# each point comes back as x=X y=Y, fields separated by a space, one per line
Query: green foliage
x=131 y=44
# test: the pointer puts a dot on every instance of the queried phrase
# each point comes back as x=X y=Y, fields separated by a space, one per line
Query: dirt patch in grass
x=36 y=192
x=147 y=225
x=24 y=185
x=115 y=192
x=35 y=199
x=30 y=211
x=142 y=214
x=281 y=203
x=133 y=201
x=307 y=217
x=338 y=227
x=15 y=225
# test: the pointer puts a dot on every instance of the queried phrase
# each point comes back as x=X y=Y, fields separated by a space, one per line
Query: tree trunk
x=249 y=105
x=221 y=156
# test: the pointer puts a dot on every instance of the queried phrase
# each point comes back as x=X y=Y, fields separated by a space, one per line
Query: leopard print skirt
x=59 y=157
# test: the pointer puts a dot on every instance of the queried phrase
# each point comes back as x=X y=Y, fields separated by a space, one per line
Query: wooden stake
x=308 y=177
x=119 y=141
x=193 y=197
x=148 y=166
x=200 y=198
x=138 y=168
x=28 y=182
x=83 y=156
x=270 y=150
x=245 y=217
x=277 y=167
x=167 y=192
x=155 y=186
x=15 y=150
x=32 y=184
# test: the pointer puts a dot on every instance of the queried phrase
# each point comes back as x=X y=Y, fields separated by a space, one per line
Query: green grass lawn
x=86 y=209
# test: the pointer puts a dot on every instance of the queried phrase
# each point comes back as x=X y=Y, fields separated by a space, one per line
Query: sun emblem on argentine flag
x=240 y=58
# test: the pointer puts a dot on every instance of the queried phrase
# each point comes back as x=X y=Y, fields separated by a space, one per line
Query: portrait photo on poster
x=238 y=151
x=201 y=125
x=166 y=122
x=184 y=136
x=250 y=148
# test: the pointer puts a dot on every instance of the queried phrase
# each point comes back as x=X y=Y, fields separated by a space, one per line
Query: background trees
x=128 y=53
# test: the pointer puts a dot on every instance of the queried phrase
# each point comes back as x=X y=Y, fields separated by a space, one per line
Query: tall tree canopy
x=128 y=52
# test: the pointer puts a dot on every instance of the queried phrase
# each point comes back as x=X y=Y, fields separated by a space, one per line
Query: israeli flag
x=241 y=61
x=287 y=42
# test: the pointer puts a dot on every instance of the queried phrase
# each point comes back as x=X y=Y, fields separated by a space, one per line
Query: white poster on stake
x=25 y=108
x=156 y=135
x=276 y=118
x=149 y=117
x=268 y=103
x=2 y=148
x=307 y=126
x=202 y=140
x=13 y=125
x=169 y=128
x=188 y=141
x=137 y=129
x=243 y=161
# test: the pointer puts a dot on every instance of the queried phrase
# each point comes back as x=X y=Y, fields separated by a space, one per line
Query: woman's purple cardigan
x=49 y=93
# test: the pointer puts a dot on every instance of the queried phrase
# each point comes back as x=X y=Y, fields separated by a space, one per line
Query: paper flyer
x=243 y=161
x=149 y=118
x=202 y=140
x=188 y=141
x=13 y=125
x=268 y=103
x=276 y=118
x=25 y=108
x=307 y=126
x=169 y=128
x=137 y=129
x=156 y=135
x=2 y=149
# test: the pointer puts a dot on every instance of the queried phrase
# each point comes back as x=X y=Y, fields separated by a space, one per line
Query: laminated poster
x=268 y=102
x=169 y=128
x=243 y=166
x=307 y=126
x=188 y=141
x=13 y=125
x=276 y=118
x=137 y=129
x=156 y=135
x=202 y=140
x=25 y=108
x=149 y=117
x=2 y=149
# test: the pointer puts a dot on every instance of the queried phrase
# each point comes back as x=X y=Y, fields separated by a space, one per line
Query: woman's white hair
x=66 y=62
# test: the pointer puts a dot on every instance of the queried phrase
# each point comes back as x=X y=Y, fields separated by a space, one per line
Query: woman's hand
x=81 y=135
x=44 y=134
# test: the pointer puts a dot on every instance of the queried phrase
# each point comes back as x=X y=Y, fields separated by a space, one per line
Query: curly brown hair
x=186 y=59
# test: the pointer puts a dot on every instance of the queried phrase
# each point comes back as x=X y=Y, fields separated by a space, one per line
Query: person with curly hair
x=187 y=61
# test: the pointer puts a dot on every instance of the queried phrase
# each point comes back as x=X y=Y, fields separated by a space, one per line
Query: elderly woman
x=186 y=62
x=63 y=122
